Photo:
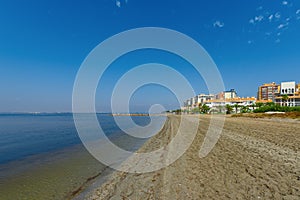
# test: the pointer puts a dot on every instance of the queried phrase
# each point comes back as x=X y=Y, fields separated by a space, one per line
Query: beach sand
x=253 y=159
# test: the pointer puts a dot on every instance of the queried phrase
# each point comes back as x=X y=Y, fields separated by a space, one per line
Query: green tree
x=205 y=109
x=253 y=106
x=229 y=109
x=220 y=109
x=285 y=98
x=200 y=106
x=270 y=104
x=236 y=106
x=259 y=104
x=244 y=109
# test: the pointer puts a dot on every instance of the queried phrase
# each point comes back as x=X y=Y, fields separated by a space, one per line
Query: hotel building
x=248 y=101
x=268 y=92
x=218 y=102
x=195 y=101
x=227 y=95
x=292 y=91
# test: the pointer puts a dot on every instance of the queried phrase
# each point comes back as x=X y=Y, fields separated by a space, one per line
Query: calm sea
x=41 y=155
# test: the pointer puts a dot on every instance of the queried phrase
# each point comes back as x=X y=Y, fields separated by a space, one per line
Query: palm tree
x=253 y=106
x=200 y=106
x=244 y=109
x=236 y=106
x=220 y=109
x=228 y=109
x=205 y=109
x=285 y=98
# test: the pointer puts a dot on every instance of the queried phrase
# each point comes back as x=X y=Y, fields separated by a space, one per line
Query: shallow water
x=42 y=156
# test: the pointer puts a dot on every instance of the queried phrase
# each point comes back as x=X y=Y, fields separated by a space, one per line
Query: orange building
x=268 y=92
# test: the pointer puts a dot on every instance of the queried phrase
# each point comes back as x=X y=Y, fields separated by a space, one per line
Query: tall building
x=268 y=91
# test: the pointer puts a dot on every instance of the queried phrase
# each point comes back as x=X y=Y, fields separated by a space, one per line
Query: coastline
x=130 y=114
x=52 y=162
x=249 y=161
x=51 y=175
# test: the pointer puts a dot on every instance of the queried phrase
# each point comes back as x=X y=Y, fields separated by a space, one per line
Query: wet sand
x=254 y=159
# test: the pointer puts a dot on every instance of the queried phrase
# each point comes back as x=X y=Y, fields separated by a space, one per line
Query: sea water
x=42 y=157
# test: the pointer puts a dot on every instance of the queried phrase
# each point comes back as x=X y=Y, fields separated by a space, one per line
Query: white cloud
x=250 y=41
x=218 y=24
x=271 y=17
x=277 y=15
x=118 y=3
x=281 y=26
x=298 y=12
x=259 y=18
x=256 y=19
x=285 y=3
x=277 y=41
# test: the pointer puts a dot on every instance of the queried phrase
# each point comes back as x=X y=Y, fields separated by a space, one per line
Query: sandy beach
x=253 y=159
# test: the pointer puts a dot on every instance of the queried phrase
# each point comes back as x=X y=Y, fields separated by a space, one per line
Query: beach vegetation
x=245 y=109
x=276 y=108
x=259 y=104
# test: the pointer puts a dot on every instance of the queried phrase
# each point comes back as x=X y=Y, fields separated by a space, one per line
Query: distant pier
x=130 y=114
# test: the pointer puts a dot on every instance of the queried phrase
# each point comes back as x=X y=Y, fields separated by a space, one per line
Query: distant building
x=202 y=98
x=188 y=103
x=292 y=90
x=195 y=101
x=288 y=88
x=231 y=94
x=219 y=103
x=227 y=95
x=268 y=92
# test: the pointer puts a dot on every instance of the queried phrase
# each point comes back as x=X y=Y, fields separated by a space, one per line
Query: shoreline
x=249 y=161
x=51 y=175
x=106 y=174
x=130 y=114
x=59 y=174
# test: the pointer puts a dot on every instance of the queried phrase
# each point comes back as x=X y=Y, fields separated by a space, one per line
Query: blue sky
x=43 y=43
